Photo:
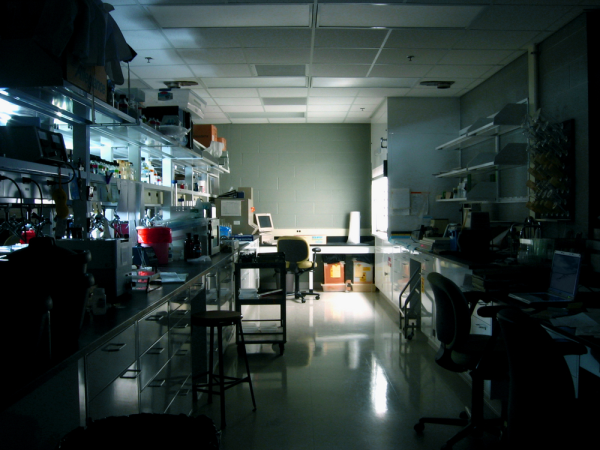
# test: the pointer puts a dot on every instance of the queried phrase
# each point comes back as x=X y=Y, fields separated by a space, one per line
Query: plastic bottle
x=188 y=247
x=197 y=251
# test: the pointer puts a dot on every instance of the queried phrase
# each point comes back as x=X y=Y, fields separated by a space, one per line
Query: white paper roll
x=354 y=229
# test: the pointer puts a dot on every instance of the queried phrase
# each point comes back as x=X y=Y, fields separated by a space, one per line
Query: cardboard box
x=334 y=273
x=224 y=142
x=363 y=272
x=205 y=134
x=337 y=287
x=91 y=79
x=363 y=287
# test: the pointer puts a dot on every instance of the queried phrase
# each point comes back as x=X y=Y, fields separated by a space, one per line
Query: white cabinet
x=383 y=267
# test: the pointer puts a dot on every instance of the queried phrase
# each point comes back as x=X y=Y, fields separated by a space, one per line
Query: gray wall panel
x=294 y=168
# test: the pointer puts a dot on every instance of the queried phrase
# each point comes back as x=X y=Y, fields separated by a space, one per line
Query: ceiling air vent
x=437 y=84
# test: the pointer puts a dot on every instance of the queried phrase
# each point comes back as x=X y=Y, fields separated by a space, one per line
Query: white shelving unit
x=512 y=155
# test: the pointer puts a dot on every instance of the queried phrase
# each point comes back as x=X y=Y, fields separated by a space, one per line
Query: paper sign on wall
x=400 y=200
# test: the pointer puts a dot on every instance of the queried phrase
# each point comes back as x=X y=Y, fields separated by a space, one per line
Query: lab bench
x=140 y=356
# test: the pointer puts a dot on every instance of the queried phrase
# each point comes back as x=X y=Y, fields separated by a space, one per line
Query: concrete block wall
x=308 y=176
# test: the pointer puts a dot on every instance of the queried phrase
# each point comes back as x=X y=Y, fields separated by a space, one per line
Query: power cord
x=3 y=177
x=28 y=180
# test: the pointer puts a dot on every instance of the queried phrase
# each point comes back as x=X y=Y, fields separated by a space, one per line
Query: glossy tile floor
x=347 y=380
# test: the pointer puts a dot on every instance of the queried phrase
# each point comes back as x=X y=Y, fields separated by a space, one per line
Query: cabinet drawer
x=157 y=396
x=153 y=360
x=180 y=334
x=183 y=313
x=181 y=299
x=181 y=364
x=153 y=326
x=119 y=398
x=182 y=403
x=110 y=360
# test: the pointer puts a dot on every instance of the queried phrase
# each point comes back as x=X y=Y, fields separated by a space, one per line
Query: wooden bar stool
x=218 y=320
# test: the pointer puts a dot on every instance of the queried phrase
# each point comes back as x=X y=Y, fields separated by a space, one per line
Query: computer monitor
x=264 y=222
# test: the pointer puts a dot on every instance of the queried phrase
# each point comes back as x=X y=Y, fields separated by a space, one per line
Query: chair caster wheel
x=317 y=297
x=419 y=427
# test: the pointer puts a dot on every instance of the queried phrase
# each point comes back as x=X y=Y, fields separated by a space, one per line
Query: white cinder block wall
x=308 y=176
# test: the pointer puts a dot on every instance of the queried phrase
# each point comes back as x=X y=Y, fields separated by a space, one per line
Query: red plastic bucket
x=159 y=239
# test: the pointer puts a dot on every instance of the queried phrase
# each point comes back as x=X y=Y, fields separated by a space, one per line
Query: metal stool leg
x=211 y=360
x=221 y=375
x=241 y=333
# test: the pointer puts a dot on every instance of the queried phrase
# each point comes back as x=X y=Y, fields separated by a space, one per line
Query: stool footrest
x=228 y=382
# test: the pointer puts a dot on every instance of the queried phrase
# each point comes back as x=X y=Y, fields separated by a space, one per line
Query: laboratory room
x=299 y=225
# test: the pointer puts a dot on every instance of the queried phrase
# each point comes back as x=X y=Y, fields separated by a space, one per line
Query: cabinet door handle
x=130 y=374
x=156 y=351
x=154 y=318
x=157 y=383
x=114 y=347
x=181 y=326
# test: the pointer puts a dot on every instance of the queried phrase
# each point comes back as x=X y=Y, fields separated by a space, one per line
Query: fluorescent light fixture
x=396 y=16
x=234 y=15
x=333 y=82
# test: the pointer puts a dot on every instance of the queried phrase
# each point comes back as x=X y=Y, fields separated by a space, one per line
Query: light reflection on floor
x=346 y=381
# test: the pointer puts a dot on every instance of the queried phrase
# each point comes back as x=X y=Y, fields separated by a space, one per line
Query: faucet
x=531 y=229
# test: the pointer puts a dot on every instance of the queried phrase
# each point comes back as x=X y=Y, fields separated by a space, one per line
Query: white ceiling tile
x=215 y=115
x=358 y=108
x=458 y=71
x=255 y=82
x=277 y=55
x=243 y=109
x=328 y=108
x=422 y=38
x=363 y=82
x=152 y=71
x=379 y=15
x=369 y=100
x=203 y=93
x=510 y=58
x=159 y=58
x=145 y=39
x=333 y=92
x=232 y=15
x=404 y=70
x=273 y=37
x=132 y=17
x=285 y=108
x=330 y=100
x=349 y=38
x=344 y=56
x=283 y=92
x=482 y=57
x=202 y=37
x=382 y=92
x=225 y=92
x=519 y=17
x=493 y=39
x=212 y=109
x=339 y=70
x=238 y=101
x=221 y=70
x=212 y=56
x=419 y=56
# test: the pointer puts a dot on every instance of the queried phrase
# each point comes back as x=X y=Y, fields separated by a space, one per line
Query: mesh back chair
x=460 y=351
x=297 y=252
x=542 y=408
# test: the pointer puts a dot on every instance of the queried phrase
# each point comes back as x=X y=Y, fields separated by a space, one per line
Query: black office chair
x=297 y=251
x=460 y=351
x=542 y=409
